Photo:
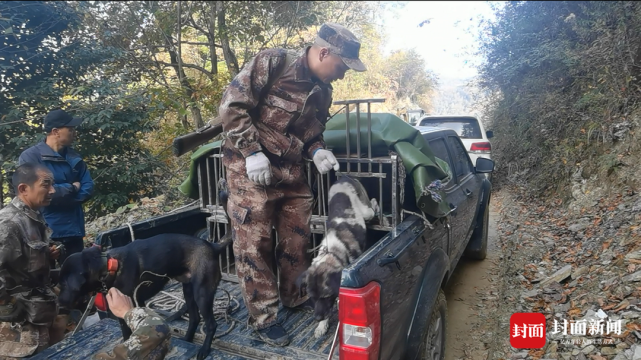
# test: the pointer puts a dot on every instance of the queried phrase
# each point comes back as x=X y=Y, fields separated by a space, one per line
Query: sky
x=444 y=40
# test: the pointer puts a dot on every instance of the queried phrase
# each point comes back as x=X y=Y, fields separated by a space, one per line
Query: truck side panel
x=435 y=269
x=397 y=262
x=486 y=189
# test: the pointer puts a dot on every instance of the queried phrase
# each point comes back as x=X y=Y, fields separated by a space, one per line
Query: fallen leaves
x=594 y=243
x=631 y=268
x=574 y=312
x=633 y=326
x=536 y=353
x=623 y=305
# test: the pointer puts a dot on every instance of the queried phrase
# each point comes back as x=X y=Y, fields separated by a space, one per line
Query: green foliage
x=91 y=80
x=142 y=73
x=558 y=70
x=400 y=78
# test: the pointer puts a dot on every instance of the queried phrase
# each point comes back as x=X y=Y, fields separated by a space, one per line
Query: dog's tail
x=219 y=247
x=223 y=196
x=223 y=193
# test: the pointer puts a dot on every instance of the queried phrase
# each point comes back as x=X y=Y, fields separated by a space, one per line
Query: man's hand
x=324 y=161
x=76 y=186
x=119 y=303
x=258 y=169
x=55 y=252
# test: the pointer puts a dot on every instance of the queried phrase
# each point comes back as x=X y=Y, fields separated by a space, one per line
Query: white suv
x=468 y=128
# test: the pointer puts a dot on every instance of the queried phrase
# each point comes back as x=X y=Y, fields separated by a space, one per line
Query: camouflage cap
x=341 y=42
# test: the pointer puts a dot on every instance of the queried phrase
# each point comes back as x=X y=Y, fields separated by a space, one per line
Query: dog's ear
x=91 y=252
x=92 y=258
x=301 y=283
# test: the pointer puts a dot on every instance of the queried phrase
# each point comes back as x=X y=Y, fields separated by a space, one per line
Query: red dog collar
x=101 y=302
x=112 y=266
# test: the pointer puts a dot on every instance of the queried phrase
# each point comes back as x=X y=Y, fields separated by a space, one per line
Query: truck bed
x=239 y=342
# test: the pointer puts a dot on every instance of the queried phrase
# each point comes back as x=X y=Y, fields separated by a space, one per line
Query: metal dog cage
x=375 y=173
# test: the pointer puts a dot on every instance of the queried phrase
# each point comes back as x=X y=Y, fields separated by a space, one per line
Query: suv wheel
x=434 y=341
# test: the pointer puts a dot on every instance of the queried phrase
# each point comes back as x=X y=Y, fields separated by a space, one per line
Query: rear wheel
x=434 y=340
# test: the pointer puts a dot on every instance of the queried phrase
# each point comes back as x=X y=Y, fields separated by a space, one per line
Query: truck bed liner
x=242 y=341
x=237 y=343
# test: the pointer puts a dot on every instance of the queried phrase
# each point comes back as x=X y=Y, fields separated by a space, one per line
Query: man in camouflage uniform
x=29 y=321
x=273 y=115
x=150 y=336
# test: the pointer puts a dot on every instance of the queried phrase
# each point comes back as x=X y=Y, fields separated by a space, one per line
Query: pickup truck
x=391 y=303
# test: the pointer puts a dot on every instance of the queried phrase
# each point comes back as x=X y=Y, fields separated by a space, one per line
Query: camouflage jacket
x=24 y=250
x=285 y=121
x=149 y=339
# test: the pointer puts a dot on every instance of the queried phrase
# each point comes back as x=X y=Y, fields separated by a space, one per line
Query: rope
x=172 y=301
x=131 y=230
x=427 y=223
x=184 y=206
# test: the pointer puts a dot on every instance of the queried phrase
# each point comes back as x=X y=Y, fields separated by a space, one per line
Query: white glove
x=324 y=161
x=258 y=169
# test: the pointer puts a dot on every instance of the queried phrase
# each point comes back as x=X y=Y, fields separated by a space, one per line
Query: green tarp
x=389 y=133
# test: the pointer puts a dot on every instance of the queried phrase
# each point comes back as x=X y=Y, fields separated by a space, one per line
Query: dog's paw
x=202 y=353
x=374 y=207
x=321 y=329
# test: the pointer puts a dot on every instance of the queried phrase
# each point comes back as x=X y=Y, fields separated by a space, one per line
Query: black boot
x=274 y=335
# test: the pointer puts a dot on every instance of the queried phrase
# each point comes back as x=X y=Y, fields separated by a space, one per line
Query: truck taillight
x=360 y=322
x=481 y=147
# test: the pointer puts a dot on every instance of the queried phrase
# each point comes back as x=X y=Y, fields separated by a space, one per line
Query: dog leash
x=84 y=316
x=331 y=351
x=338 y=326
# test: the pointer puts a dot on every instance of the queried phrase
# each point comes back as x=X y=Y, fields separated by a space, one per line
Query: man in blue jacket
x=72 y=181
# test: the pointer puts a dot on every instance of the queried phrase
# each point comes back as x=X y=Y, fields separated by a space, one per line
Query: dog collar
x=110 y=267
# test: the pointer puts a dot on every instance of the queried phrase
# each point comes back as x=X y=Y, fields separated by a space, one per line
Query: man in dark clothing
x=72 y=181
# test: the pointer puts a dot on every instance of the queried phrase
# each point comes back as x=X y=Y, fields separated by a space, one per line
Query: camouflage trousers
x=22 y=341
x=253 y=210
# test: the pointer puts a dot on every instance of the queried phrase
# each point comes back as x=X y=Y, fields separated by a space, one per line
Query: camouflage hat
x=341 y=42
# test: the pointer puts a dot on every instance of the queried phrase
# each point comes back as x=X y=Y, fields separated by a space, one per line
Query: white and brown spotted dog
x=346 y=232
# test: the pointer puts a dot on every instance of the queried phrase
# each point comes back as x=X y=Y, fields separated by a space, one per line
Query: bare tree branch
x=200 y=43
x=189 y=66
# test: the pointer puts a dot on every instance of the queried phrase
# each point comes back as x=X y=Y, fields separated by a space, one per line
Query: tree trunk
x=176 y=62
x=2 y=186
x=212 y=45
x=230 y=58
x=189 y=91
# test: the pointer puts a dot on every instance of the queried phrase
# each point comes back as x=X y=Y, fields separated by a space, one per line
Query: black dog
x=190 y=260
x=185 y=258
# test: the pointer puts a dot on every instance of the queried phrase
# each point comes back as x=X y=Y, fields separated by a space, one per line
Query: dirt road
x=471 y=295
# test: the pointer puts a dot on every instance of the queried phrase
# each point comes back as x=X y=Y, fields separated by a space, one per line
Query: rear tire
x=435 y=336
